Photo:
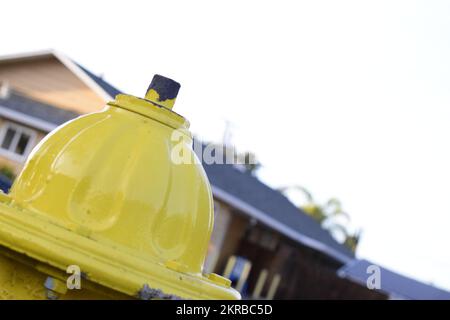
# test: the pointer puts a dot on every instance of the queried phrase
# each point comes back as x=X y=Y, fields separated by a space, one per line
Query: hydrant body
x=103 y=193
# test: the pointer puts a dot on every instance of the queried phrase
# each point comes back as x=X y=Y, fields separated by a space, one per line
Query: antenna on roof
x=227 y=133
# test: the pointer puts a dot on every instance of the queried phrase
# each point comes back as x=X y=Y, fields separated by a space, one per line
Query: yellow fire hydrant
x=101 y=209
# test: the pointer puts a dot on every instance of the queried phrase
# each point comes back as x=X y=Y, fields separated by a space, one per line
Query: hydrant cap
x=157 y=104
x=162 y=91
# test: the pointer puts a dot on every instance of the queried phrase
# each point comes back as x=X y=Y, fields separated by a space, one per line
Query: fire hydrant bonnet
x=103 y=193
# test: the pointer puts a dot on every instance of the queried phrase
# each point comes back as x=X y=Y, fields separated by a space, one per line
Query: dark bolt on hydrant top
x=166 y=88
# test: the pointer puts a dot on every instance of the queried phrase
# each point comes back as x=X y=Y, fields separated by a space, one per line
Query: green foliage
x=330 y=216
x=7 y=172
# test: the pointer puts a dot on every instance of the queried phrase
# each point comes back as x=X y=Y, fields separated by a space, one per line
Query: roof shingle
x=36 y=109
x=393 y=283
x=271 y=202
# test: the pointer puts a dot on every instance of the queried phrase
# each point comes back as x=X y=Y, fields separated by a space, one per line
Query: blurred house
x=267 y=246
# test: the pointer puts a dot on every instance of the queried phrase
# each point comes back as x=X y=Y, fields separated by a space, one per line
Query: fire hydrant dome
x=110 y=173
x=109 y=177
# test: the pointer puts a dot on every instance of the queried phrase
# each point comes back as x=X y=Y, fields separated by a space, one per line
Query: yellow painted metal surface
x=25 y=278
x=102 y=192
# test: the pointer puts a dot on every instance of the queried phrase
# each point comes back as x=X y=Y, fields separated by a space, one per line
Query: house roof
x=111 y=90
x=272 y=208
x=392 y=283
x=39 y=115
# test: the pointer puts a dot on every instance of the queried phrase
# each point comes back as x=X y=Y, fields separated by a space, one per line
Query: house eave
x=25 y=119
x=278 y=226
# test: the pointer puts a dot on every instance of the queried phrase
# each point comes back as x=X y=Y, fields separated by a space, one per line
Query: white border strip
x=280 y=227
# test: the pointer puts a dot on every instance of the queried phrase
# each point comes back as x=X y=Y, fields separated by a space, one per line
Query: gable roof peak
x=96 y=84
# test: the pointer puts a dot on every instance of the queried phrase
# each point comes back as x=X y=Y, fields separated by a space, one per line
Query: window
x=16 y=141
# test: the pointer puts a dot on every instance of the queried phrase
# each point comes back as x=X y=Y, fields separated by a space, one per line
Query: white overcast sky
x=347 y=98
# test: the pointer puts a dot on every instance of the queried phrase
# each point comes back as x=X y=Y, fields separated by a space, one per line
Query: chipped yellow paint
x=153 y=95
